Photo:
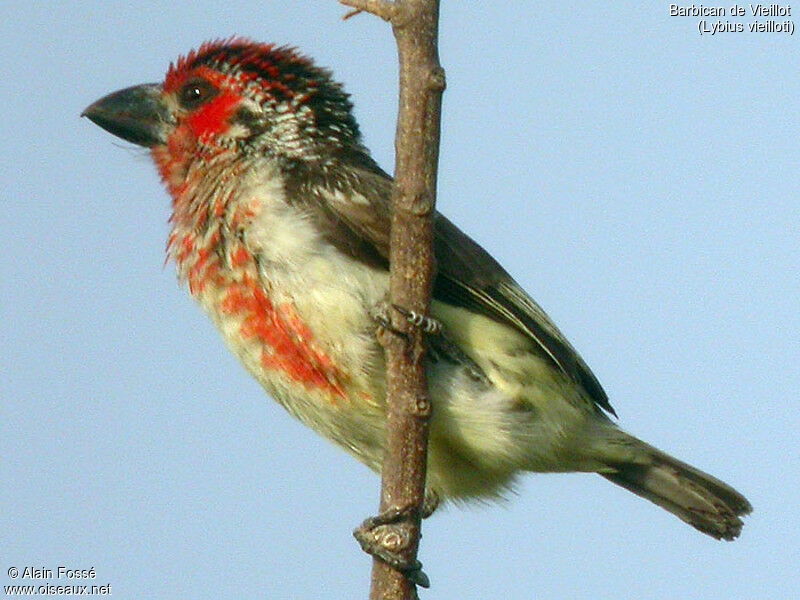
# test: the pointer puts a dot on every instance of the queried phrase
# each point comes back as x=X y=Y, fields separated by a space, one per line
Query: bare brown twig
x=380 y=8
x=415 y=25
x=352 y=13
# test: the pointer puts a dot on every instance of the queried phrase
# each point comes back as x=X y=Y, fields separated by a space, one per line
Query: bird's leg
x=440 y=346
x=428 y=325
x=381 y=314
x=377 y=537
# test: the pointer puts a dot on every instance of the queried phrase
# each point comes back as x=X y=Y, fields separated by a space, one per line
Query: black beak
x=135 y=114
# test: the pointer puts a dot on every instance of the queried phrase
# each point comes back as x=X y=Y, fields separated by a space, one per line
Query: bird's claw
x=428 y=325
x=376 y=537
x=429 y=505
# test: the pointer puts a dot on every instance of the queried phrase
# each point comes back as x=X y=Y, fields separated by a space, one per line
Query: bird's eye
x=195 y=93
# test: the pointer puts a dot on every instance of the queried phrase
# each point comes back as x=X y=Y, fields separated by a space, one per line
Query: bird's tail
x=702 y=501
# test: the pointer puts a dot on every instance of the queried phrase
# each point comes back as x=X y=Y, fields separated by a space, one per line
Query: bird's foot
x=429 y=505
x=427 y=324
x=382 y=315
x=377 y=536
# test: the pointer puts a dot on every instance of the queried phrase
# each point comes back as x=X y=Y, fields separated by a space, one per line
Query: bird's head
x=234 y=98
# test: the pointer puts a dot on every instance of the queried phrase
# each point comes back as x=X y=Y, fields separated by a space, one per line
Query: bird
x=280 y=231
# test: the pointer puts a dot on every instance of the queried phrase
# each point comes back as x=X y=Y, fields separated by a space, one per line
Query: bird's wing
x=467 y=275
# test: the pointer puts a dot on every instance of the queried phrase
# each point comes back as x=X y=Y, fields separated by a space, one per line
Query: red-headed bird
x=280 y=229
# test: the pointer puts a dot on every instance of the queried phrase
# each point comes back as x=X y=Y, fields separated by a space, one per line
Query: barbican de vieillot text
x=755 y=10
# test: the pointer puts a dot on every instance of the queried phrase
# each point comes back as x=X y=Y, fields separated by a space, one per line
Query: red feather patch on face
x=211 y=118
x=179 y=71
x=247 y=61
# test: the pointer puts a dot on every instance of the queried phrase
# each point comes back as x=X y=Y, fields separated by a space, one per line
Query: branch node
x=422 y=407
x=419 y=206
x=413 y=200
x=436 y=79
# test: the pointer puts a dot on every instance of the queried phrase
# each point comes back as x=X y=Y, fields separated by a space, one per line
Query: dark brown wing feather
x=467 y=275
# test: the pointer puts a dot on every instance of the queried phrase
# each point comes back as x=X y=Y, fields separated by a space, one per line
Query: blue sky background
x=638 y=179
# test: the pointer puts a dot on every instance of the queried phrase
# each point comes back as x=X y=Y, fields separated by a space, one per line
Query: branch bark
x=415 y=25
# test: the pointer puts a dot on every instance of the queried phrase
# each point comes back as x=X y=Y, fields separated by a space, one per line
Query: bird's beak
x=136 y=114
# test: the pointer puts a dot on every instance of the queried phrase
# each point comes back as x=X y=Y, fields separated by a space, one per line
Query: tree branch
x=415 y=24
x=380 y=8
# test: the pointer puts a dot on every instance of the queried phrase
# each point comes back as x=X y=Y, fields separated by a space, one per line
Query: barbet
x=280 y=228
